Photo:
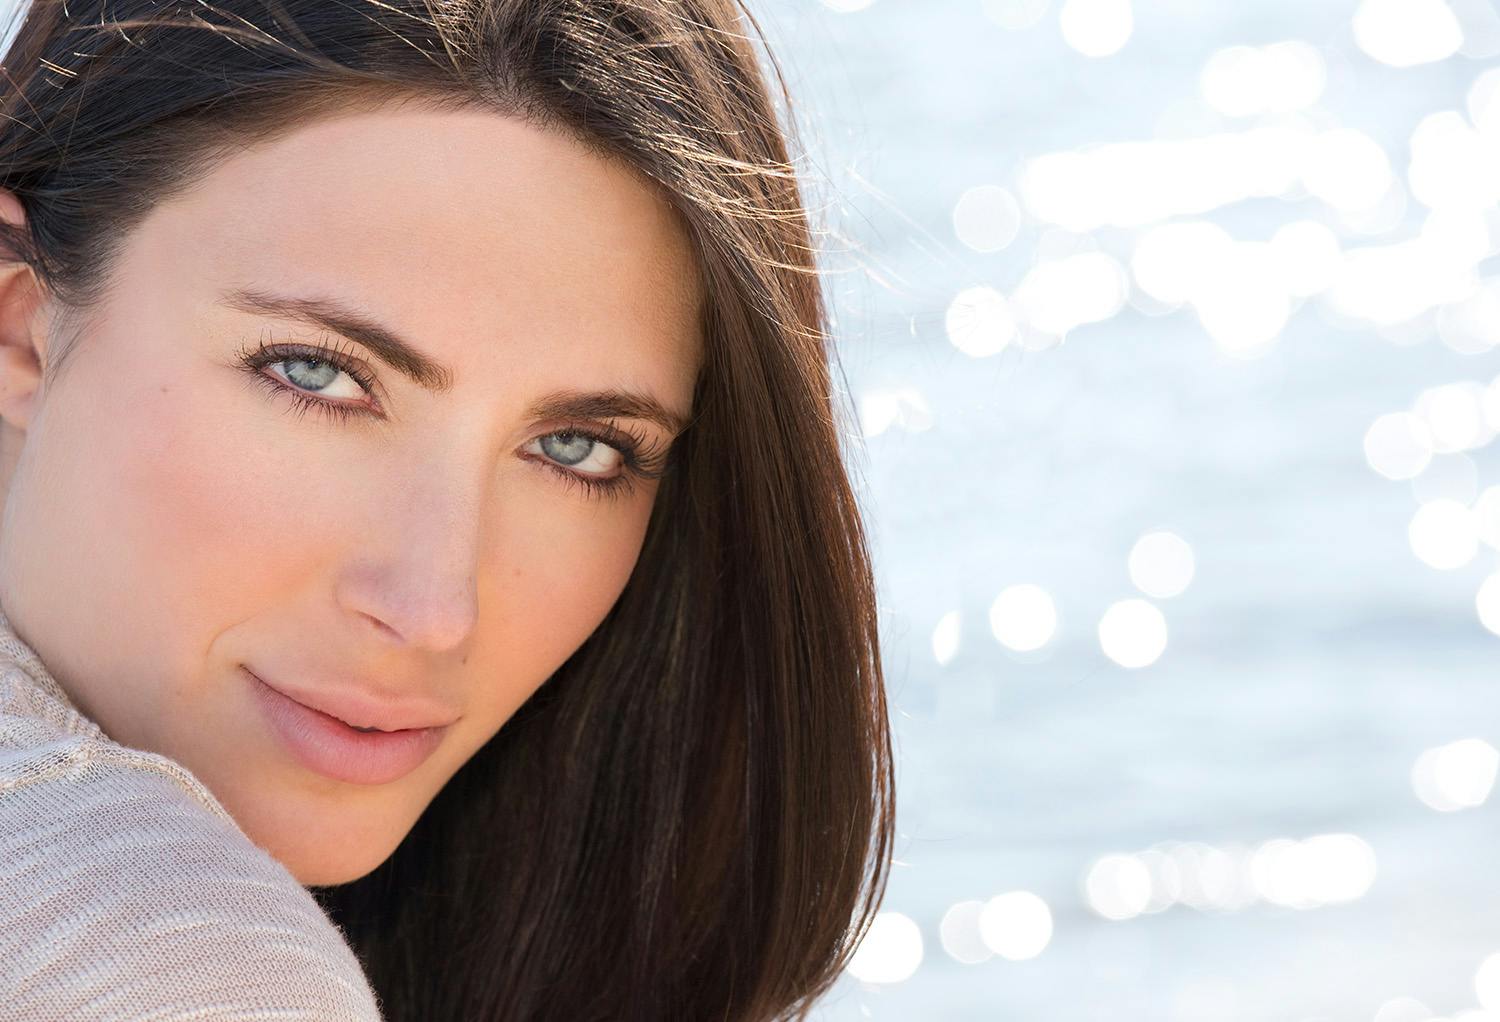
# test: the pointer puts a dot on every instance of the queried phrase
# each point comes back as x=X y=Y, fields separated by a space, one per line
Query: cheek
x=558 y=566
x=563 y=563
x=234 y=514
x=204 y=497
x=136 y=531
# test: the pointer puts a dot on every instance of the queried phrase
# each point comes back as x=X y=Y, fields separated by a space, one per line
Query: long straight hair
x=693 y=817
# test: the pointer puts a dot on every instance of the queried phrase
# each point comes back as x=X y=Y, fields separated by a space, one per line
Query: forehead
x=454 y=226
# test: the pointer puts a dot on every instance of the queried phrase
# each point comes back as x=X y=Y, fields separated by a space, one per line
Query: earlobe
x=22 y=329
x=20 y=380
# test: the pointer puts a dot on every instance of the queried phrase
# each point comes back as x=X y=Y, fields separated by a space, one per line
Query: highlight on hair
x=693 y=817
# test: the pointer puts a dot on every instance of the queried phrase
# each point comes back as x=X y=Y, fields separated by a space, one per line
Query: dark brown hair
x=692 y=819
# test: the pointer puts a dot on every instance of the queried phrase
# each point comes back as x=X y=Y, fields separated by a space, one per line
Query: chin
x=334 y=858
x=332 y=875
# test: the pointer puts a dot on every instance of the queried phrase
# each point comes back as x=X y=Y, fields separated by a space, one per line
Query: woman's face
x=179 y=533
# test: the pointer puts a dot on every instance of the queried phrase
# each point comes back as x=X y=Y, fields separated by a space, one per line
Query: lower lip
x=334 y=749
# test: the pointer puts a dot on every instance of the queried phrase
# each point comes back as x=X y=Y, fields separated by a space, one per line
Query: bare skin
x=168 y=520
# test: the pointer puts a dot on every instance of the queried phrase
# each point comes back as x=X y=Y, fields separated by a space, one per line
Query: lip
x=328 y=746
x=348 y=702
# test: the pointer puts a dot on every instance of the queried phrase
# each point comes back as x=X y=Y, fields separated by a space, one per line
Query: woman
x=454 y=370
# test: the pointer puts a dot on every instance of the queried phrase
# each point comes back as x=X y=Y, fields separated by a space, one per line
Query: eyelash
x=642 y=459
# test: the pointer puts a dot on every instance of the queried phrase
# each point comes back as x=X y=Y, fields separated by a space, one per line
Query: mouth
x=329 y=746
x=358 y=703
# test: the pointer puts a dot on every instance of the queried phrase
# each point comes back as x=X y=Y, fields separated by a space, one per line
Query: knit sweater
x=127 y=891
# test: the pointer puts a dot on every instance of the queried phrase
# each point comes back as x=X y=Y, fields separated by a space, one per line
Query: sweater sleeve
x=123 y=899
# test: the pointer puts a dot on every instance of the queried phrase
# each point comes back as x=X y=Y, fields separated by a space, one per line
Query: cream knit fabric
x=127 y=891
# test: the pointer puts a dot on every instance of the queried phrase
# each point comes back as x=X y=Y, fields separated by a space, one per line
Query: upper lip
x=357 y=706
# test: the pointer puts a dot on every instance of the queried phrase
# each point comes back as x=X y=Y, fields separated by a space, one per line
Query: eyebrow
x=433 y=376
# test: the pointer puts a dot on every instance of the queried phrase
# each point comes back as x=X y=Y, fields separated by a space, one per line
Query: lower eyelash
x=303 y=403
x=642 y=461
x=611 y=489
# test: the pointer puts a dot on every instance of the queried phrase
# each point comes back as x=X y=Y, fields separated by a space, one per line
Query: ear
x=23 y=335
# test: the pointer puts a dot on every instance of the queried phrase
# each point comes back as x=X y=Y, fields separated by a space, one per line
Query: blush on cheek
x=198 y=497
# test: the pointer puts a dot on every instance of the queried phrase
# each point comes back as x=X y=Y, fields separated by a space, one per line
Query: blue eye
x=318 y=367
x=305 y=370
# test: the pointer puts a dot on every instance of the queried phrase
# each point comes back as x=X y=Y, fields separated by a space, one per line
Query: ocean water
x=1331 y=635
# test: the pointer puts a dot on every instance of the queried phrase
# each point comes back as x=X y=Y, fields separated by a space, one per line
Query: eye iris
x=574 y=449
x=328 y=374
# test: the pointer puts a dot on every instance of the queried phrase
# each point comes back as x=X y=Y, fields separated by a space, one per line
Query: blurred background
x=1168 y=328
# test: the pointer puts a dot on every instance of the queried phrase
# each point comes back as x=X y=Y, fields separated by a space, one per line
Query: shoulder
x=124 y=895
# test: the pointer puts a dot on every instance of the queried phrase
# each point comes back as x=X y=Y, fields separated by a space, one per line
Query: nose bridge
x=415 y=568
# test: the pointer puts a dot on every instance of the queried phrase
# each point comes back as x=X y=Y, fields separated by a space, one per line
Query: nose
x=413 y=576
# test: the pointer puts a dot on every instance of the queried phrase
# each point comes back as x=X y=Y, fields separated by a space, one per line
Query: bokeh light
x=1096 y=28
x=1458 y=775
x=1398 y=445
x=1471 y=325
x=1023 y=617
x=1454 y=414
x=1161 y=564
x=980 y=322
x=1174 y=263
x=1487 y=982
x=946 y=637
x=1244 y=304
x=1482 y=102
x=1347 y=169
x=1307 y=255
x=1320 y=870
x=1443 y=534
x=1453 y=166
x=1487 y=603
x=890 y=952
x=1403 y=1009
x=1016 y=925
x=1118 y=886
x=1133 y=633
x=1246 y=81
x=1486 y=509
x=906 y=407
x=960 y=936
x=1403 y=33
x=1453 y=477
x=1056 y=296
x=986 y=218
